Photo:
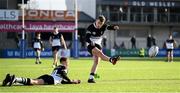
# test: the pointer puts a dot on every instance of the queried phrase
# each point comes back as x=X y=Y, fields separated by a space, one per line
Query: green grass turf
x=138 y=75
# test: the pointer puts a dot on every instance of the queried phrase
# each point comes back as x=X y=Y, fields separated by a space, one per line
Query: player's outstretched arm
x=64 y=76
x=66 y=79
x=42 y=46
x=112 y=27
x=71 y=82
x=50 y=40
x=63 y=42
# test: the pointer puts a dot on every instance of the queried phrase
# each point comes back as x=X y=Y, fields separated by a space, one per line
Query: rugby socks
x=37 y=58
x=36 y=62
x=110 y=59
x=91 y=76
x=25 y=81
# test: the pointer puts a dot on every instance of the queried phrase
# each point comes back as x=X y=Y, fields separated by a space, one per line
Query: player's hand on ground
x=76 y=81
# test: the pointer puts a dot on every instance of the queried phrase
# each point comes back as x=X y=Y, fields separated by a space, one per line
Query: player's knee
x=33 y=82
x=37 y=82
x=96 y=51
x=55 y=52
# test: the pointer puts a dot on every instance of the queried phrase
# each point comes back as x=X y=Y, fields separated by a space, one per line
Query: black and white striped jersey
x=93 y=34
x=37 y=43
x=60 y=73
x=56 y=39
x=170 y=43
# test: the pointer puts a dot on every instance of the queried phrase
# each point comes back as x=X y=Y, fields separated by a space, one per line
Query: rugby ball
x=153 y=51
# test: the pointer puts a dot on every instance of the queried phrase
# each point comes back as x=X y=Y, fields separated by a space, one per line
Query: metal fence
x=143 y=18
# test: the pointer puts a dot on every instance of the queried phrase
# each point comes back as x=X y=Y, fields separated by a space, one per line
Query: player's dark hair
x=63 y=59
x=102 y=18
x=54 y=28
x=37 y=33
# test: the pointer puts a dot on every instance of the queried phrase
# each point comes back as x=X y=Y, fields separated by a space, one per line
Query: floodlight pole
x=75 y=47
x=23 y=33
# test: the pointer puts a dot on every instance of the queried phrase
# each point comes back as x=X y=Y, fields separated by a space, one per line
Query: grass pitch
x=139 y=75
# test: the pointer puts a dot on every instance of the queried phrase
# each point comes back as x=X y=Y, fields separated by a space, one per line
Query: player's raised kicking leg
x=97 y=56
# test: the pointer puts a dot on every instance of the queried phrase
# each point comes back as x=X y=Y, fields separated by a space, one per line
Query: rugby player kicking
x=94 y=39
